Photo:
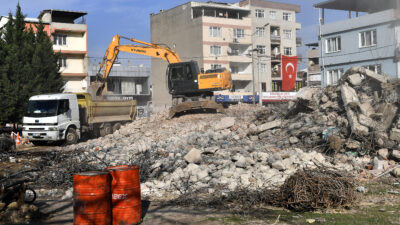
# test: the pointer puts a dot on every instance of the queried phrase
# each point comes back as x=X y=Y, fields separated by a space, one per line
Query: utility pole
x=259 y=82
x=253 y=73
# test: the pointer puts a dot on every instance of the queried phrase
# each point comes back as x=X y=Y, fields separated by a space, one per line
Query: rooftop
x=271 y=5
x=358 y=5
x=63 y=13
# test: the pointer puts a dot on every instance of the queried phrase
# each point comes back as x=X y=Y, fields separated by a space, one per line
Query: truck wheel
x=116 y=127
x=71 y=137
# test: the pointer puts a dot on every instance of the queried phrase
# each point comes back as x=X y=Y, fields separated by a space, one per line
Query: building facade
x=273 y=33
x=226 y=35
x=313 y=70
x=370 y=40
x=70 y=39
x=126 y=82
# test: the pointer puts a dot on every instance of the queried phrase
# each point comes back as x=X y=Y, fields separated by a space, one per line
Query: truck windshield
x=42 y=108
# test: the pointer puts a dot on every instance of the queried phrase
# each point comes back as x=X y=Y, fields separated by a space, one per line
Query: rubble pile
x=18 y=213
x=211 y=153
x=249 y=147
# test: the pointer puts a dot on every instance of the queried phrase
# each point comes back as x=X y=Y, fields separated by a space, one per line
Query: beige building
x=70 y=37
x=274 y=29
x=223 y=35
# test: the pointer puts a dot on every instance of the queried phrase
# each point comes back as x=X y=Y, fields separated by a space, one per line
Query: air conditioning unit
x=235 y=40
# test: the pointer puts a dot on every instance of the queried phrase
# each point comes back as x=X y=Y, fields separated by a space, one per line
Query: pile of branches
x=306 y=190
x=316 y=189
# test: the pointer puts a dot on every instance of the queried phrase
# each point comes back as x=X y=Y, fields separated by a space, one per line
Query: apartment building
x=213 y=34
x=70 y=37
x=369 y=38
x=69 y=34
x=273 y=33
x=224 y=35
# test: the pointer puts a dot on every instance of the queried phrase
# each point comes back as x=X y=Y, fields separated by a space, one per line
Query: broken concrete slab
x=389 y=112
x=356 y=127
x=269 y=125
x=366 y=121
x=369 y=73
x=354 y=79
x=349 y=95
x=366 y=109
x=396 y=155
x=395 y=134
x=225 y=123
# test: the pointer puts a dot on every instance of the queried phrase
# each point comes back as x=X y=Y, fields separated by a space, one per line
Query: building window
x=272 y=15
x=62 y=62
x=261 y=49
x=260 y=13
x=333 y=76
x=59 y=39
x=333 y=45
x=260 y=31
x=367 y=38
x=216 y=66
x=215 y=31
x=238 y=33
x=287 y=16
x=263 y=67
x=234 y=69
x=377 y=68
x=276 y=85
x=287 y=51
x=287 y=34
x=215 y=50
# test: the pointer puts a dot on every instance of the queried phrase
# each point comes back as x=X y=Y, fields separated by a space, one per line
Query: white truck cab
x=52 y=117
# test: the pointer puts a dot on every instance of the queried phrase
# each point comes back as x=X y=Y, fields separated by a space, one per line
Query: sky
x=131 y=18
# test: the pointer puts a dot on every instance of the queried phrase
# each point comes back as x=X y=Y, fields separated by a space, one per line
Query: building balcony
x=314 y=69
x=276 y=74
x=276 y=58
x=275 y=39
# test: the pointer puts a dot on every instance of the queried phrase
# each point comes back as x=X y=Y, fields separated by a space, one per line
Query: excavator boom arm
x=146 y=49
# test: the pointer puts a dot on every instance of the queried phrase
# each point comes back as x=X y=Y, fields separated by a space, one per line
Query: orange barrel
x=125 y=189
x=92 y=202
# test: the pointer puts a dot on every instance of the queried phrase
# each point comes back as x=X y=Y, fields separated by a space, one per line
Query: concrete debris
x=193 y=156
x=249 y=147
x=396 y=155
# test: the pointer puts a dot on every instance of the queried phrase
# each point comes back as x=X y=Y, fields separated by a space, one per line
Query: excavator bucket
x=196 y=105
x=95 y=89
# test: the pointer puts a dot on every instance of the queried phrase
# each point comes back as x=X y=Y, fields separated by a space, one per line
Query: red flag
x=289 y=71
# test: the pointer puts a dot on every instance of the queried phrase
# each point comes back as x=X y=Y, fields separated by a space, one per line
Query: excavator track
x=195 y=105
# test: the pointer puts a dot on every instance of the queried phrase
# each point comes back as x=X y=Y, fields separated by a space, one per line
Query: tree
x=28 y=66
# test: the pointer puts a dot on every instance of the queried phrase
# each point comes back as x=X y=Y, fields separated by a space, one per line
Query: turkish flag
x=289 y=71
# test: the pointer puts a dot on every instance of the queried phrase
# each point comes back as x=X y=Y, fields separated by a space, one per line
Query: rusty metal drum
x=125 y=192
x=92 y=201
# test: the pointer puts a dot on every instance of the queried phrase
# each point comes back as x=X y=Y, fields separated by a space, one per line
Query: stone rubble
x=255 y=147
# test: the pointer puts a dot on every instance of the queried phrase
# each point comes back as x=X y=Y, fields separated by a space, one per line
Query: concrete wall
x=75 y=64
x=351 y=54
x=178 y=30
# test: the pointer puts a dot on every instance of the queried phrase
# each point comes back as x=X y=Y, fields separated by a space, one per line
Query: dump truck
x=68 y=117
x=189 y=86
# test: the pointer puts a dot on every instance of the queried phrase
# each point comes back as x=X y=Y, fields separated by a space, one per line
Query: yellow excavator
x=190 y=88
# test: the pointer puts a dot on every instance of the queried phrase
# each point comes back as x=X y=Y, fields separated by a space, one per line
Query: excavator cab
x=183 y=78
